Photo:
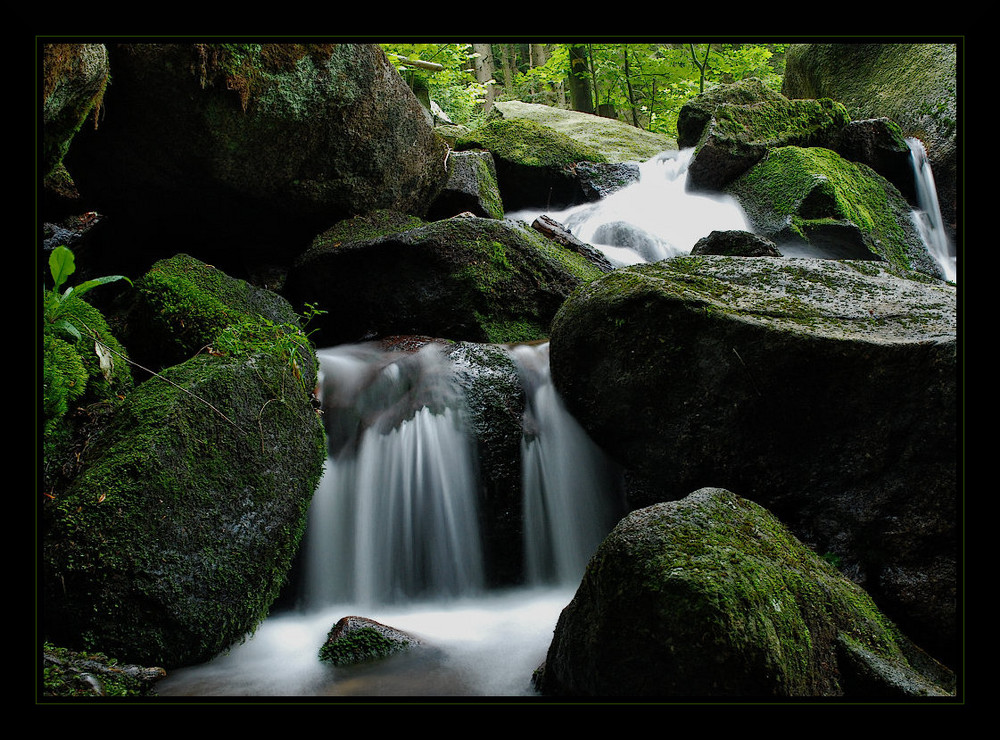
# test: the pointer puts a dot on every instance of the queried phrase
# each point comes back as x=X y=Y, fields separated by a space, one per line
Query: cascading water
x=653 y=218
x=928 y=217
x=393 y=535
x=566 y=480
x=395 y=515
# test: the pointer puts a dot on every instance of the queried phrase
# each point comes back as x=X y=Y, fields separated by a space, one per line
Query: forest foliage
x=643 y=84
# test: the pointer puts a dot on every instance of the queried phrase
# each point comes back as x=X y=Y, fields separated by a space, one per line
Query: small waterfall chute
x=927 y=217
x=569 y=486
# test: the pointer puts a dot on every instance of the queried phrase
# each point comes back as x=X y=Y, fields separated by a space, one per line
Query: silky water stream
x=393 y=531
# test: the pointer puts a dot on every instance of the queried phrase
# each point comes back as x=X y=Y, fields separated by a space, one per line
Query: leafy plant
x=62 y=264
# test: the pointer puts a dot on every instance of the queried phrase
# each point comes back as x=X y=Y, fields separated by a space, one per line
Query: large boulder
x=169 y=533
x=915 y=85
x=823 y=390
x=248 y=144
x=711 y=596
x=173 y=541
x=464 y=278
x=813 y=197
x=616 y=140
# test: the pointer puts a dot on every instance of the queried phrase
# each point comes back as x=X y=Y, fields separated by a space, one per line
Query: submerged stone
x=359 y=639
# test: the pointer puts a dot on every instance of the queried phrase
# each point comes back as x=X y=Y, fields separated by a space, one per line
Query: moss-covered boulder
x=711 y=596
x=824 y=390
x=697 y=113
x=842 y=209
x=535 y=164
x=738 y=135
x=176 y=536
x=464 y=278
x=915 y=85
x=181 y=305
x=617 y=141
x=255 y=145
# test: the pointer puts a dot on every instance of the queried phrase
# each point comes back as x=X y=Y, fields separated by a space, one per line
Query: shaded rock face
x=471 y=187
x=470 y=279
x=252 y=143
x=711 y=596
x=74 y=79
x=536 y=165
x=823 y=390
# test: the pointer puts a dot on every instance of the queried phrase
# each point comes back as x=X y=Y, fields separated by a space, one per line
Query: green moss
x=528 y=143
x=808 y=187
x=780 y=121
x=360 y=645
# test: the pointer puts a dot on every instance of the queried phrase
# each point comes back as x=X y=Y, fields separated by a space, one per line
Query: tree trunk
x=579 y=79
x=509 y=57
x=485 y=66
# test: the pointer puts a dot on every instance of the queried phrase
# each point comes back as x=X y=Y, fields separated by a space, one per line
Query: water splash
x=928 y=218
x=652 y=219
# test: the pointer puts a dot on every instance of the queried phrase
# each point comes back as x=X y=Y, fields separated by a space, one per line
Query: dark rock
x=472 y=279
x=823 y=390
x=735 y=244
x=711 y=596
x=252 y=147
x=359 y=639
x=471 y=187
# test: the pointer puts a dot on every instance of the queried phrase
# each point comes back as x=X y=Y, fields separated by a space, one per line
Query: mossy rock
x=813 y=196
x=464 y=278
x=697 y=112
x=711 y=596
x=738 y=135
x=825 y=390
x=616 y=140
x=534 y=162
x=182 y=305
x=174 y=539
x=356 y=640
x=74 y=78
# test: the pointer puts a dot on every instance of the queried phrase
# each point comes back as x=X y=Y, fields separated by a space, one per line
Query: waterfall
x=567 y=482
x=928 y=217
x=653 y=218
x=395 y=516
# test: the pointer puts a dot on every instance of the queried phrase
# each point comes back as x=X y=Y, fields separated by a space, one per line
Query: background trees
x=644 y=84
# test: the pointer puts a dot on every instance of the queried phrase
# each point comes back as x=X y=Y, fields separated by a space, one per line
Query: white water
x=652 y=219
x=393 y=536
x=566 y=480
x=928 y=217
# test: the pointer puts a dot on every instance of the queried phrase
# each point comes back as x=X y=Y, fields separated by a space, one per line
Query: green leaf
x=61 y=265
